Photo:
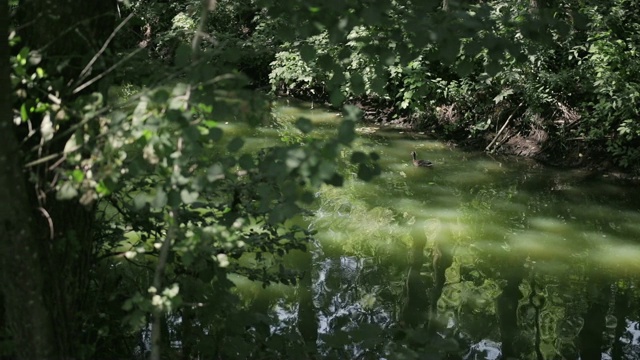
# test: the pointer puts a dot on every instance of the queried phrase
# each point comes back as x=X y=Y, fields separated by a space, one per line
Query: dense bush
x=565 y=70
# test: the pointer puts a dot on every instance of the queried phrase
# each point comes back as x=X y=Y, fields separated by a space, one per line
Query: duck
x=420 y=163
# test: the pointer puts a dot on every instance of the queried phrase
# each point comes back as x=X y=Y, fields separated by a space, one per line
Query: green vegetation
x=559 y=73
x=134 y=203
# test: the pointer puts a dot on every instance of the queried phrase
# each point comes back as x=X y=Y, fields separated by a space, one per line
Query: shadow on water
x=475 y=258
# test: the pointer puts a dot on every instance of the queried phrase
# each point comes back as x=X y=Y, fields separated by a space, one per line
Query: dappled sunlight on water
x=477 y=257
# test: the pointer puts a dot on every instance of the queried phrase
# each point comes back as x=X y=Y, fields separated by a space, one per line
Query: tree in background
x=52 y=241
x=22 y=277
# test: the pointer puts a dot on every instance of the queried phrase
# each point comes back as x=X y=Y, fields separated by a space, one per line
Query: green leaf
x=307 y=53
x=174 y=198
x=215 y=134
x=23 y=112
x=307 y=197
x=335 y=180
x=210 y=124
x=183 y=56
x=358 y=157
x=188 y=197
x=503 y=95
x=366 y=172
x=140 y=201
x=326 y=170
x=464 y=67
x=66 y=192
x=215 y=172
x=493 y=68
x=161 y=198
x=335 y=83
x=357 y=84
x=449 y=50
x=235 y=144
x=326 y=62
x=78 y=175
x=161 y=96
x=103 y=189
x=246 y=162
x=295 y=157
x=337 y=98
x=352 y=112
x=35 y=57
x=378 y=85
x=346 y=132
x=304 y=125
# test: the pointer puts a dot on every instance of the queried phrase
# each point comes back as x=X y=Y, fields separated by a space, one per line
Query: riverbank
x=506 y=138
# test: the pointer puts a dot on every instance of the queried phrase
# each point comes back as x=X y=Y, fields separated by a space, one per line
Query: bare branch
x=85 y=71
x=207 y=5
x=104 y=73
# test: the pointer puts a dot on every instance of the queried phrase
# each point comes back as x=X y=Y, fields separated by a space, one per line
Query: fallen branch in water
x=502 y=128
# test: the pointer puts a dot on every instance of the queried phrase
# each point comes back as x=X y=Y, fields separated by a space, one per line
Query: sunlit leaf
x=46 y=127
x=295 y=157
x=215 y=172
x=140 y=201
x=67 y=191
x=23 y=112
x=188 y=197
x=161 y=198
x=78 y=175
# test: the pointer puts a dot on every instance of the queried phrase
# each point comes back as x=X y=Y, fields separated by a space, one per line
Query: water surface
x=478 y=257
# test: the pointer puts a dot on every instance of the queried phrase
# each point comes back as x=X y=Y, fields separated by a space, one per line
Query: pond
x=476 y=257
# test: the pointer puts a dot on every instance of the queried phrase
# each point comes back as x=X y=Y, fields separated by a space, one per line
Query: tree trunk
x=22 y=278
x=48 y=248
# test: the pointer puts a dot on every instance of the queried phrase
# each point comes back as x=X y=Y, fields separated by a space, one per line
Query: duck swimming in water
x=420 y=163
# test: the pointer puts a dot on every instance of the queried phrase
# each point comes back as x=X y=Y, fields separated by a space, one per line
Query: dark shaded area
x=507 y=312
x=591 y=335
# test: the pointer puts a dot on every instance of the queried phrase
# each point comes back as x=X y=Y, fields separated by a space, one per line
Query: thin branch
x=46 y=215
x=41 y=160
x=137 y=264
x=104 y=73
x=207 y=6
x=502 y=128
x=59 y=162
x=85 y=71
